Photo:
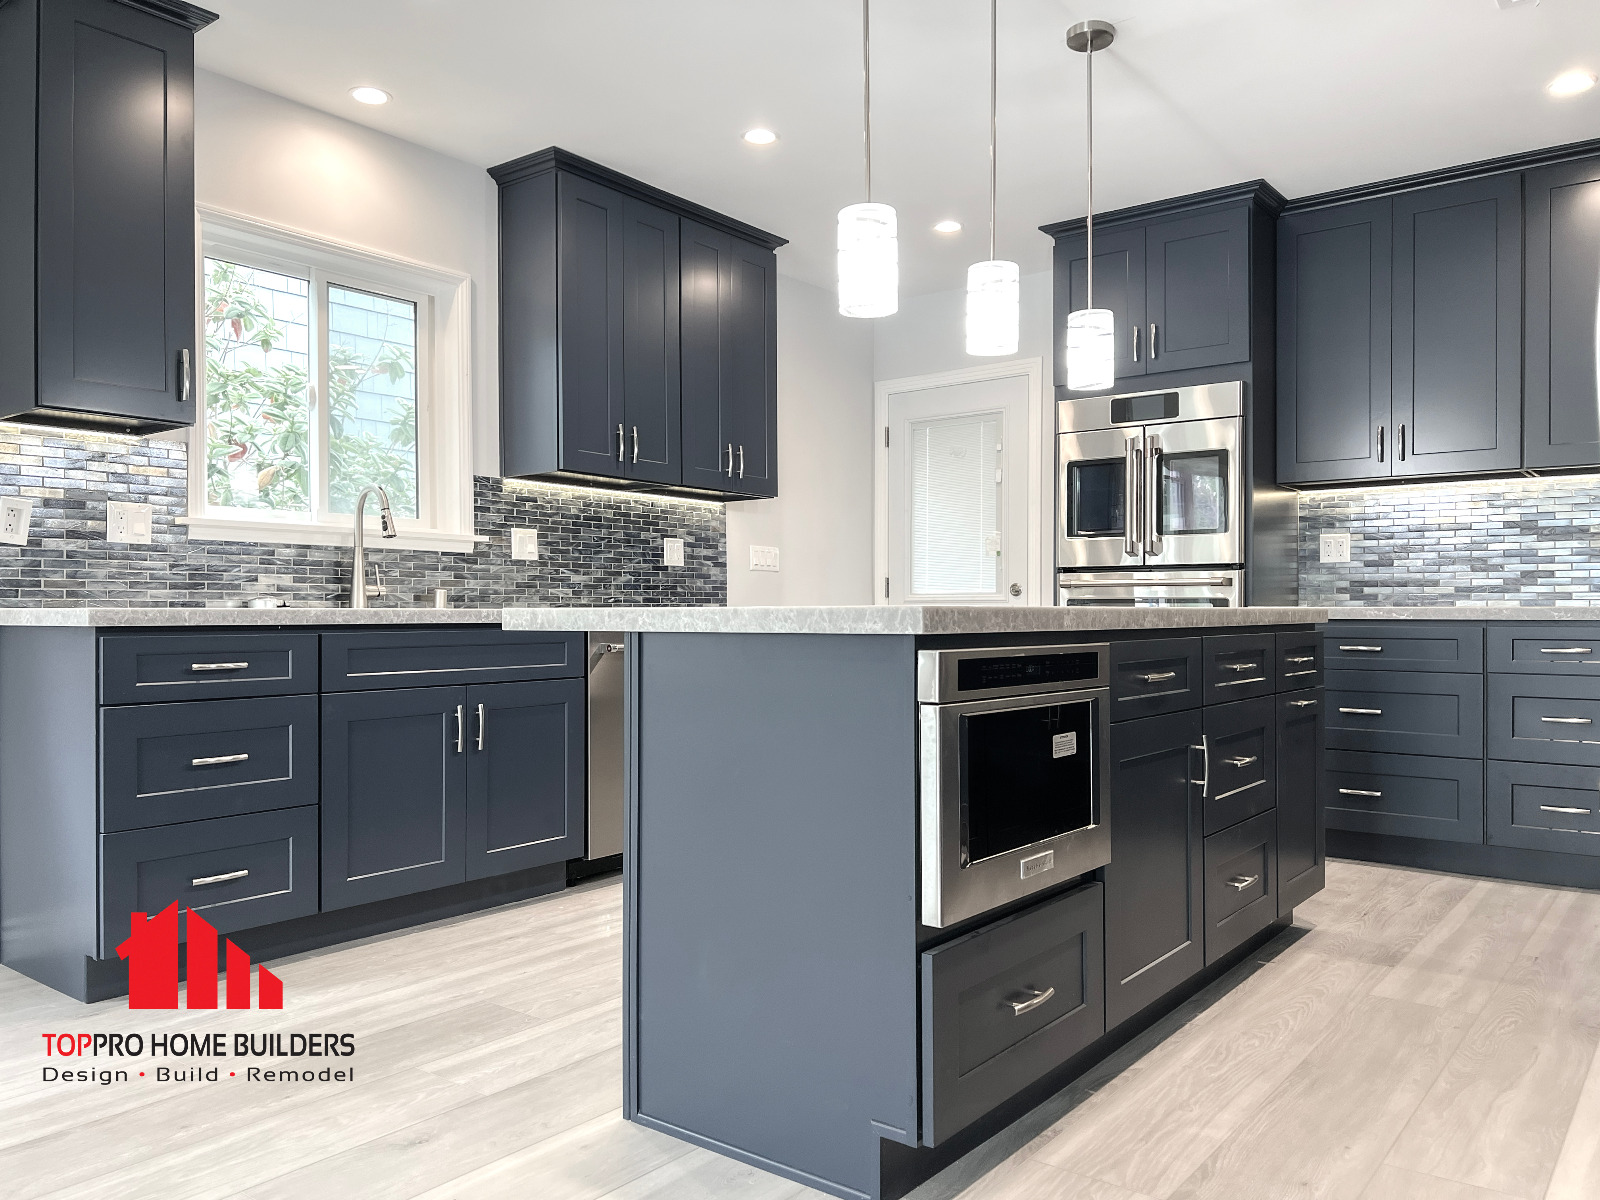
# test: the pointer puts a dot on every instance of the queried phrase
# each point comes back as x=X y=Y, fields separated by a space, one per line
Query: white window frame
x=444 y=519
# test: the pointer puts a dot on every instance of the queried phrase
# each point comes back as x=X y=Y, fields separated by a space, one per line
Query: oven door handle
x=1132 y=516
x=1204 y=782
x=1152 y=495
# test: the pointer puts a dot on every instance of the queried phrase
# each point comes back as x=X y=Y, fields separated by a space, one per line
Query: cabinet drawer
x=1564 y=649
x=1149 y=678
x=150 y=667
x=238 y=872
x=1544 y=720
x=1400 y=712
x=1238 y=666
x=163 y=763
x=1299 y=661
x=1405 y=795
x=1008 y=1003
x=1240 y=761
x=353 y=662
x=1418 y=646
x=1241 y=883
x=1540 y=807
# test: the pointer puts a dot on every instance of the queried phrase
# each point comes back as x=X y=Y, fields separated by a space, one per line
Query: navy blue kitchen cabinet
x=1302 y=829
x=1119 y=285
x=97 y=247
x=638 y=334
x=1562 y=404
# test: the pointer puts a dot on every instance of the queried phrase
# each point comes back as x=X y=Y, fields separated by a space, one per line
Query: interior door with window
x=957 y=494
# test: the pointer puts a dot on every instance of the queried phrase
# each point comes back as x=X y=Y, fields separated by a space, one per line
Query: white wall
x=821 y=520
x=928 y=333
x=281 y=162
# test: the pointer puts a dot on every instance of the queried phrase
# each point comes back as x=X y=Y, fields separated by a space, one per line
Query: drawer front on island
x=1403 y=712
x=1239 y=666
x=1007 y=1004
x=1565 y=649
x=165 y=763
x=144 y=668
x=1540 y=807
x=1406 y=795
x=236 y=872
x=1151 y=677
x=1241 y=883
x=1239 y=765
x=1299 y=661
x=369 y=661
x=1544 y=720
x=1420 y=646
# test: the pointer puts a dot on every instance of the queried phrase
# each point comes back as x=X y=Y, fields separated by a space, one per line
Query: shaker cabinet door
x=1119 y=285
x=750 y=369
x=707 y=258
x=1302 y=827
x=590 y=220
x=650 y=369
x=394 y=792
x=1197 y=295
x=1563 y=262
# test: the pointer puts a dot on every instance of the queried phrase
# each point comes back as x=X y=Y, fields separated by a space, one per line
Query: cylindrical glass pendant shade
x=869 y=261
x=994 y=307
x=1091 y=350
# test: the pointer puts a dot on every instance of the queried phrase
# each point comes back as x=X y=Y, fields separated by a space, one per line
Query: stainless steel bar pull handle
x=635 y=443
x=1242 y=760
x=1237 y=682
x=185 y=376
x=1362 y=649
x=1401 y=444
x=226 y=877
x=1562 y=808
x=1152 y=492
x=1154 y=353
x=218 y=666
x=480 y=726
x=1380 y=443
x=741 y=462
x=1130 y=498
x=1135 y=343
x=1244 y=666
x=619 y=443
x=730 y=460
x=461 y=729
x=218 y=760
x=1239 y=882
x=1034 y=1000
x=1566 y=720
x=1565 y=650
x=1359 y=792
x=1363 y=712
x=1204 y=782
x=1158 y=676
x=1302 y=703
x=1300 y=658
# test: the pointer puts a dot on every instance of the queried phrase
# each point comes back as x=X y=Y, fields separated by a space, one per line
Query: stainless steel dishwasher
x=606 y=658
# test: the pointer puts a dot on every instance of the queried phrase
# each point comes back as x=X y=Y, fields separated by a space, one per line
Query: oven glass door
x=1194 y=473
x=1097 y=506
x=1027 y=775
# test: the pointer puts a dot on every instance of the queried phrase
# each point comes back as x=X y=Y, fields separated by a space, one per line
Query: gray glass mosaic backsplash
x=1521 y=541
x=595 y=547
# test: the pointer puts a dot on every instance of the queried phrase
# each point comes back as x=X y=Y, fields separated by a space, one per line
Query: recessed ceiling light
x=370 y=95
x=947 y=227
x=1570 y=83
x=760 y=137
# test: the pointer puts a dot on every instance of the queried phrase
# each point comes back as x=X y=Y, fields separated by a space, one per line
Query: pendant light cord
x=866 y=87
x=1089 y=222
x=994 y=7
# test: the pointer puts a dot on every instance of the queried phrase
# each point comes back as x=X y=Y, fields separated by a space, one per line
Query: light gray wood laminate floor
x=1414 y=1037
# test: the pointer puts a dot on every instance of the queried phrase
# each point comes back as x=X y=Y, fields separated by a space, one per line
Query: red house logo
x=152 y=954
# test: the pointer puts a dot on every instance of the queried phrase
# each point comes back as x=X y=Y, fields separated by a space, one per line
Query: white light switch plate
x=525 y=544
x=672 y=552
x=15 y=513
x=128 y=523
x=763 y=558
x=1335 y=547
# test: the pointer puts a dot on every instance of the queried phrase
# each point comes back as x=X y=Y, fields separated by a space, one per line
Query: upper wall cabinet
x=1563 y=239
x=1177 y=276
x=1399 y=327
x=97 y=250
x=638 y=334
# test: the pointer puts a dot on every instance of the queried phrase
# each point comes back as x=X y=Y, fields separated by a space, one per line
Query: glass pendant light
x=869 y=246
x=994 y=303
x=1091 y=331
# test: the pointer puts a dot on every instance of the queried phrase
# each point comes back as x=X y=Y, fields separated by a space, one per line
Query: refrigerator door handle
x=1132 y=517
x=1152 y=496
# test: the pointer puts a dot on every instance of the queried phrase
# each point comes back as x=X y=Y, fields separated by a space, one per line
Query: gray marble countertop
x=199 y=618
x=899 y=619
x=1469 y=612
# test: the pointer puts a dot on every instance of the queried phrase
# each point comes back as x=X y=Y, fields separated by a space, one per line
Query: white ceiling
x=1309 y=94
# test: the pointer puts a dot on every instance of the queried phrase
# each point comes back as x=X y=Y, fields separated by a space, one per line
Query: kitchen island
x=802 y=995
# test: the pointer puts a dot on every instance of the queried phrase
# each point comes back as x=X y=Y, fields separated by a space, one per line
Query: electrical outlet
x=763 y=558
x=525 y=544
x=15 y=513
x=128 y=523
x=672 y=552
x=1335 y=547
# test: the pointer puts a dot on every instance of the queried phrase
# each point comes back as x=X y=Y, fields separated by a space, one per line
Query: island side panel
x=772 y=906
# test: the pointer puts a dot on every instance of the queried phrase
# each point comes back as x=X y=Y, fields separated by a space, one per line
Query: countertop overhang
x=85 y=617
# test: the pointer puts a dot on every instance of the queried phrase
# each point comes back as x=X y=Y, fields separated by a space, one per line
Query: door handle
x=1562 y=808
x=1239 y=882
x=1135 y=343
x=1152 y=495
x=1132 y=509
x=1302 y=703
x=730 y=460
x=1362 y=649
x=218 y=666
x=1154 y=353
x=1242 y=760
x=1300 y=658
x=635 y=443
x=1359 y=792
x=461 y=729
x=226 y=877
x=185 y=376
x=1380 y=443
x=1244 y=666
x=1400 y=445
x=1158 y=676
x=1363 y=712
x=1034 y=1000
x=1204 y=782
x=741 y=462
x=1565 y=650
x=1566 y=720
x=619 y=443
x=480 y=726
x=218 y=760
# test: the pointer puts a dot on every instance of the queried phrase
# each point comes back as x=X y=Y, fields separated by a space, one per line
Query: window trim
x=444 y=408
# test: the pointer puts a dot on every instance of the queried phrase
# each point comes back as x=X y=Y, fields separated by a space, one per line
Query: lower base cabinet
x=1007 y=1004
x=1241 y=883
x=1155 y=927
x=1405 y=795
x=1302 y=829
x=1544 y=806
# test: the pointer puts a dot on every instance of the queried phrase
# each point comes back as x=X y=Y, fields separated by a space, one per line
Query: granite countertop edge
x=201 y=618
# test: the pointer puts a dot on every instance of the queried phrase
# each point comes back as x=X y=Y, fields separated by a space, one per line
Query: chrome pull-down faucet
x=358 y=581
